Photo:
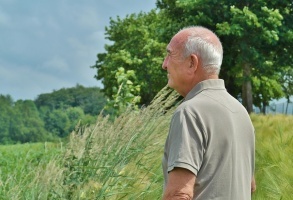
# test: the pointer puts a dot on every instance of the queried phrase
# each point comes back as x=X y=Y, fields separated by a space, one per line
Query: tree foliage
x=27 y=126
x=90 y=99
x=20 y=122
x=256 y=35
x=6 y=112
x=53 y=116
x=126 y=96
x=135 y=46
x=252 y=33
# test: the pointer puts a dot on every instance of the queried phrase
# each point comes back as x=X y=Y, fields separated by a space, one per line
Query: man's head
x=194 y=54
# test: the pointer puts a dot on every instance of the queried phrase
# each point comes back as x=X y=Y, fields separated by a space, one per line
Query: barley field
x=121 y=159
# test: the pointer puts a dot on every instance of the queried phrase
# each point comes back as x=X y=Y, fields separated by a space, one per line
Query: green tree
x=257 y=38
x=269 y=88
x=64 y=109
x=61 y=122
x=287 y=84
x=6 y=113
x=90 y=99
x=57 y=123
x=135 y=46
x=75 y=116
x=126 y=94
x=26 y=124
x=250 y=32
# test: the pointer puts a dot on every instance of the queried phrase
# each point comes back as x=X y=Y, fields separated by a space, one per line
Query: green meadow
x=121 y=159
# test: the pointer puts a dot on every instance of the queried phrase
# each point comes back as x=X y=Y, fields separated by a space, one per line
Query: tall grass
x=26 y=171
x=121 y=159
x=274 y=153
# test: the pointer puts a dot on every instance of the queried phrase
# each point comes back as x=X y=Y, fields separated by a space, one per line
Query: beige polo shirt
x=211 y=135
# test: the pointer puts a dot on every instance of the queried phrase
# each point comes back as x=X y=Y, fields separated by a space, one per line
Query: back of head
x=206 y=45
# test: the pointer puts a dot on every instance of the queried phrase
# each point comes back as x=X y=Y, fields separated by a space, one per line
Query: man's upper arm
x=180 y=184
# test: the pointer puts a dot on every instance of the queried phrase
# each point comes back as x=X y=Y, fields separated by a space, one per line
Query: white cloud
x=88 y=18
x=56 y=64
x=4 y=18
x=48 y=45
x=22 y=82
x=52 y=24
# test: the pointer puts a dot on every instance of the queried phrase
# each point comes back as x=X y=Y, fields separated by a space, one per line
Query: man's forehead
x=175 y=44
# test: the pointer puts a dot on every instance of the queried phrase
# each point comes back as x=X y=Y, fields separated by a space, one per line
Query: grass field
x=22 y=167
x=122 y=159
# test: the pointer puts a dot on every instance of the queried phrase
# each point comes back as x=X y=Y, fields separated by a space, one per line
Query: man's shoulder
x=190 y=105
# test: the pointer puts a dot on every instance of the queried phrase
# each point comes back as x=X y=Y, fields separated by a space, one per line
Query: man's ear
x=194 y=62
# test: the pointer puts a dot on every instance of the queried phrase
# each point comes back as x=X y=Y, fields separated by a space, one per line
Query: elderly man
x=209 y=152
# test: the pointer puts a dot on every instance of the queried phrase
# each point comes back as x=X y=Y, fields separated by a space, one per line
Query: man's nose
x=164 y=65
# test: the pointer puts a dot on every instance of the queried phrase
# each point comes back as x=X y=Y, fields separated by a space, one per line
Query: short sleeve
x=186 y=142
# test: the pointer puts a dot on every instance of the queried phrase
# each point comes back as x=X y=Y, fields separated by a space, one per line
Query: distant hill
x=90 y=99
x=51 y=116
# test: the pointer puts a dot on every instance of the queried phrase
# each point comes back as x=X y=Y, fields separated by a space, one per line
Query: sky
x=46 y=45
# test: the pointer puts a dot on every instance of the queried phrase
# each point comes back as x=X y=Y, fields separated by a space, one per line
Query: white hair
x=211 y=54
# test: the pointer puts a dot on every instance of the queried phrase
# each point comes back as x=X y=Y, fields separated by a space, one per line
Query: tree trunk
x=247 y=88
x=287 y=106
x=264 y=106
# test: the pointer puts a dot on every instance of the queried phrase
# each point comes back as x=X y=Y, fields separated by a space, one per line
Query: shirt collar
x=215 y=84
